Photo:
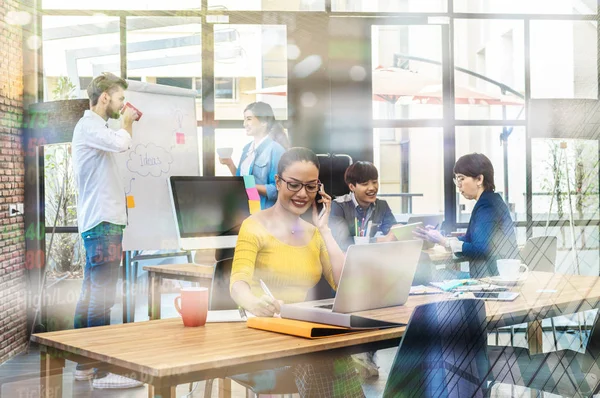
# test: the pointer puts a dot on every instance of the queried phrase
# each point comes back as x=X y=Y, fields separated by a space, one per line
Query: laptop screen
x=209 y=206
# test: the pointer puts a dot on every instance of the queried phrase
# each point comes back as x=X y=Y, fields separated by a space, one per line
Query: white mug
x=510 y=269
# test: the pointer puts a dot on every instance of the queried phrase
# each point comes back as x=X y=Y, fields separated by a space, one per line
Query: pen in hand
x=266 y=289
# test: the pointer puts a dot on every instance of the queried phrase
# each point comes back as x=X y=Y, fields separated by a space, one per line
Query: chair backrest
x=331 y=172
x=220 y=298
x=443 y=352
x=539 y=253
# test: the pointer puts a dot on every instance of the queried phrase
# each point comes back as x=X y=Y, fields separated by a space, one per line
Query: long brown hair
x=263 y=112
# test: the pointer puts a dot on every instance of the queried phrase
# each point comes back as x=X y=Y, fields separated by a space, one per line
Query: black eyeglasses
x=294 y=186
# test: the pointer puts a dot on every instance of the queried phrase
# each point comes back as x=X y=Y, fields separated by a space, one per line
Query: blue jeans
x=103 y=249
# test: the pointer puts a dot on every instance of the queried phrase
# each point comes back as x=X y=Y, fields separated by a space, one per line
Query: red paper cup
x=128 y=105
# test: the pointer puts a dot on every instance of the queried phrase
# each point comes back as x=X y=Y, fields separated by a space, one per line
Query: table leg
x=535 y=337
x=154 y=295
x=162 y=391
x=51 y=375
x=224 y=388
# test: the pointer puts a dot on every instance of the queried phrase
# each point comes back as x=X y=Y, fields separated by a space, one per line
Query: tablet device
x=496 y=296
x=405 y=232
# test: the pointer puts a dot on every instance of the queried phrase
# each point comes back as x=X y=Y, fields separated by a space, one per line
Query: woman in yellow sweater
x=290 y=255
x=277 y=246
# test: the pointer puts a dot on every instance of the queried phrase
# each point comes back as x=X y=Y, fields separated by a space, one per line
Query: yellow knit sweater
x=288 y=271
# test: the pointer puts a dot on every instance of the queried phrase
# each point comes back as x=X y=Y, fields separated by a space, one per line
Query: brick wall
x=13 y=321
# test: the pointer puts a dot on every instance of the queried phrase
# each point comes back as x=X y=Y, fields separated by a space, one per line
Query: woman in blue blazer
x=261 y=156
x=490 y=234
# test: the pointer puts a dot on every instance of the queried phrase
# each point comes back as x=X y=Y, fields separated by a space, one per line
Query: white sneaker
x=84 y=375
x=113 y=381
x=365 y=365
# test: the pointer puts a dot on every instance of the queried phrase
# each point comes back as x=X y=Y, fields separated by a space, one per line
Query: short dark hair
x=105 y=83
x=296 y=154
x=360 y=172
x=474 y=165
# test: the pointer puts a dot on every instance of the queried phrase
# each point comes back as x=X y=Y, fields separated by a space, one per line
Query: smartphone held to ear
x=320 y=210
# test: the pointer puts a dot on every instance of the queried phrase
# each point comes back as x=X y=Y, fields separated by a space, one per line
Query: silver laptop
x=375 y=276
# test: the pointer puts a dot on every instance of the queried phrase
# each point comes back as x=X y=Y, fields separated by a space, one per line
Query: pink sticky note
x=254 y=206
x=252 y=194
x=180 y=138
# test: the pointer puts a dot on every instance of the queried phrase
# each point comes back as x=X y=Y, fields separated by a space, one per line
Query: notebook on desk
x=374 y=276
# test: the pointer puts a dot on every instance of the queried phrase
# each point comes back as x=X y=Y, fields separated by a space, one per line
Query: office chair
x=331 y=172
x=278 y=381
x=442 y=353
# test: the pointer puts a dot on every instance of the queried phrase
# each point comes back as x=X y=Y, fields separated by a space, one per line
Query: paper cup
x=361 y=240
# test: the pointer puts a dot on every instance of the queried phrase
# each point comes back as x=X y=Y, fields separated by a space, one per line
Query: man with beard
x=101 y=210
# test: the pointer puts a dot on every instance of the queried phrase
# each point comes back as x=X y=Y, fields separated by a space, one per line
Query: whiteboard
x=165 y=143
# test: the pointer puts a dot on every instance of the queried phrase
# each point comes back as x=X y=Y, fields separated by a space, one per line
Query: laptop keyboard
x=327 y=306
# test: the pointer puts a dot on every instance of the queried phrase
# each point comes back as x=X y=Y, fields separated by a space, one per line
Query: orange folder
x=293 y=327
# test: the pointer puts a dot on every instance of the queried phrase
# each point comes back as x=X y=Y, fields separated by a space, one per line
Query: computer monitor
x=208 y=210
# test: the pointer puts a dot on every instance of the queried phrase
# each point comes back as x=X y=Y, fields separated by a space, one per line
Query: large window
x=389 y=5
x=407 y=72
x=76 y=49
x=122 y=5
x=167 y=51
x=250 y=65
x=489 y=74
x=564 y=59
x=536 y=52
x=267 y=5
x=575 y=7
x=411 y=166
x=565 y=179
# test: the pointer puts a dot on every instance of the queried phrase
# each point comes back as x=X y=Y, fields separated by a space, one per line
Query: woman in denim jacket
x=261 y=156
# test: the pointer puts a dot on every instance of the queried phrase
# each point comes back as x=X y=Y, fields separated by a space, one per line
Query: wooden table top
x=164 y=348
x=188 y=269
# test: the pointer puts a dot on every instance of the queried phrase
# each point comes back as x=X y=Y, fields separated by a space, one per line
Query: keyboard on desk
x=326 y=306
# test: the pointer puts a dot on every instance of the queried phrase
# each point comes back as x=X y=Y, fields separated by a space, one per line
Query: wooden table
x=164 y=354
x=191 y=272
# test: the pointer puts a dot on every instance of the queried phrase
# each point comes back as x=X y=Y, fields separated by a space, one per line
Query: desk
x=186 y=272
x=164 y=354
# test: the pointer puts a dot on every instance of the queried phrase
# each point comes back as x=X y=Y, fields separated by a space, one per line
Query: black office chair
x=278 y=381
x=442 y=352
x=331 y=172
